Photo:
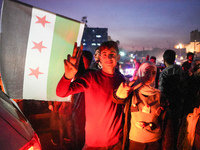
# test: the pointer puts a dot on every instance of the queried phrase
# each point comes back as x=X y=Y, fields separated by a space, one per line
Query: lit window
x=98 y=36
x=84 y=40
x=98 y=44
x=93 y=44
x=84 y=43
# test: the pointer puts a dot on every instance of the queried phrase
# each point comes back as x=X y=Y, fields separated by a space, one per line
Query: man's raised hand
x=71 y=63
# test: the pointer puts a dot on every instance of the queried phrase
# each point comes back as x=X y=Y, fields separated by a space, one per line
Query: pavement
x=38 y=114
x=41 y=125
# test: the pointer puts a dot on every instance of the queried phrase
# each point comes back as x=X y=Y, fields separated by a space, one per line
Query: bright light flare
x=129 y=71
x=180 y=46
x=122 y=53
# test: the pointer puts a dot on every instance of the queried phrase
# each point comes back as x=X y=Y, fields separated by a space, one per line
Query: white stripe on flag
x=80 y=34
x=36 y=88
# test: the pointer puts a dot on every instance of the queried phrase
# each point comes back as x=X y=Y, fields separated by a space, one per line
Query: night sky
x=135 y=23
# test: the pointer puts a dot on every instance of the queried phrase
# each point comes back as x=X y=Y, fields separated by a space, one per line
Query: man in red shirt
x=103 y=117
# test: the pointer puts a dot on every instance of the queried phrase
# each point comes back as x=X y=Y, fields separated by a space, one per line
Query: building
x=195 y=36
x=193 y=46
x=93 y=37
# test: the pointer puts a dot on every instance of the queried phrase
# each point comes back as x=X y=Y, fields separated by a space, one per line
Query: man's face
x=96 y=55
x=109 y=58
x=190 y=58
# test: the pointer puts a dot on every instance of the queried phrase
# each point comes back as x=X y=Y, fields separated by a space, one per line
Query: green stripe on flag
x=65 y=34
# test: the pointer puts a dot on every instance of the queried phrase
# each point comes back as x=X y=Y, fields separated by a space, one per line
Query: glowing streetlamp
x=180 y=47
x=122 y=53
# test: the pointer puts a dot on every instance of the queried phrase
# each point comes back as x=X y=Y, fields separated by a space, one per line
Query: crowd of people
x=155 y=110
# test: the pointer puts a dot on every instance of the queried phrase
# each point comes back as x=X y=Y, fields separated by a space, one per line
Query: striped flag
x=34 y=44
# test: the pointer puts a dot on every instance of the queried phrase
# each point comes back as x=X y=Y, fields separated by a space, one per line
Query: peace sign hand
x=71 y=63
x=126 y=88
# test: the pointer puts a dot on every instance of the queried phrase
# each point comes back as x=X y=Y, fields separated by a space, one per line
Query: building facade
x=194 y=45
x=93 y=37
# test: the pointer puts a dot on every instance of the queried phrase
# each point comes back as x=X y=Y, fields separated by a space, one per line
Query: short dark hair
x=87 y=54
x=96 y=48
x=169 y=56
x=153 y=57
x=109 y=45
x=190 y=54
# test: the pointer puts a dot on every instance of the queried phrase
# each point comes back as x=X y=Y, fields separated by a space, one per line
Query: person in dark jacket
x=189 y=133
x=172 y=83
x=187 y=64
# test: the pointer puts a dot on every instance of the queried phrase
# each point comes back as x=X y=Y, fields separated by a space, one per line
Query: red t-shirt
x=103 y=117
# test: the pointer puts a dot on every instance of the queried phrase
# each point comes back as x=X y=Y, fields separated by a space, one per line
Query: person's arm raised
x=125 y=89
x=71 y=63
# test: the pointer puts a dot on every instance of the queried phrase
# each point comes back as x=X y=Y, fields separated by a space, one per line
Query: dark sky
x=135 y=23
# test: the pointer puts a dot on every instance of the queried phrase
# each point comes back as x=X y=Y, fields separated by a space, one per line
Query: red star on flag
x=35 y=72
x=38 y=46
x=42 y=20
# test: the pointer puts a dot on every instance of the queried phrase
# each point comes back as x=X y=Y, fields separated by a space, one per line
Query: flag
x=34 y=43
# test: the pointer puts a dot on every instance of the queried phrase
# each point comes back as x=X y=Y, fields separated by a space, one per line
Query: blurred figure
x=193 y=88
x=1 y=84
x=117 y=68
x=62 y=131
x=147 y=58
x=187 y=65
x=172 y=83
x=96 y=65
x=68 y=118
x=54 y=122
x=67 y=131
x=79 y=103
x=136 y=65
x=87 y=58
x=153 y=60
x=189 y=135
x=61 y=124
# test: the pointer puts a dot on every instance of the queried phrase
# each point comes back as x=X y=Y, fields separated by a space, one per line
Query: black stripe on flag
x=16 y=19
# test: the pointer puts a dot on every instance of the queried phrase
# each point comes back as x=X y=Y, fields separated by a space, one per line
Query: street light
x=180 y=47
x=122 y=53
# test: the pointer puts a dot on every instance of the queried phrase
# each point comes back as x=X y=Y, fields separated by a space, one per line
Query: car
x=15 y=130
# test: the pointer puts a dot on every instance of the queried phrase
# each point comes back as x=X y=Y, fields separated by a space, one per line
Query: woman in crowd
x=145 y=125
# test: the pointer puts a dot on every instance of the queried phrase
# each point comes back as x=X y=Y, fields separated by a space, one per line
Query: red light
x=33 y=144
